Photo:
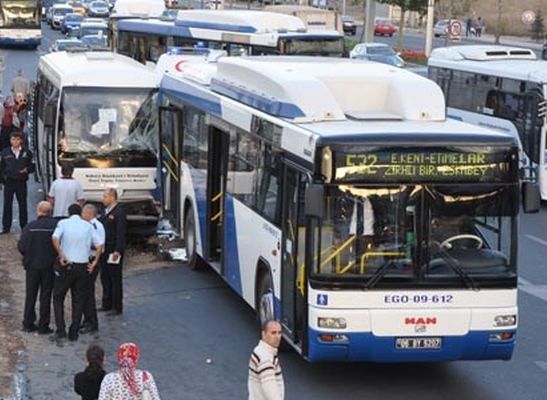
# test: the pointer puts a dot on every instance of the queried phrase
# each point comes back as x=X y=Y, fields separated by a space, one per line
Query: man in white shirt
x=91 y=321
x=265 y=376
x=65 y=191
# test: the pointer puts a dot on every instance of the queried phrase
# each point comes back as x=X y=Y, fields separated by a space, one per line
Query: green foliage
x=538 y=27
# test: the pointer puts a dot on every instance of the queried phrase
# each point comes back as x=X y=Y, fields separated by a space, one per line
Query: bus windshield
x=20 y=14
x=445 y=234
x=104 y=122
x=312 y=46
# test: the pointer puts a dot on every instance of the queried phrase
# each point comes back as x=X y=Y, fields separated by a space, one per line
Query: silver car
x=378 y=52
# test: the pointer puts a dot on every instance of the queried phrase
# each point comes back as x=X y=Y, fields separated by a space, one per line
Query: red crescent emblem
x=178 y=66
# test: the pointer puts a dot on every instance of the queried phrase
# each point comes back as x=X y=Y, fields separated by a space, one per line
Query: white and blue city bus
x=333 y=195
x=97 y=112
x=21 y=23
x=501 y=88
x=237 y=32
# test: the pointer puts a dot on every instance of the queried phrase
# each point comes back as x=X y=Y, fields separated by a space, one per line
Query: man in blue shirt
x=73 y=240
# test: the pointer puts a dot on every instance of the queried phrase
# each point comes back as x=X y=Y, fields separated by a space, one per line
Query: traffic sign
x=528 y=17
x=455 y=30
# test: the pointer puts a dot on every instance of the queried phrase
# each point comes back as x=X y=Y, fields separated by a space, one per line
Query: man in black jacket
x=115 y=226
x=15 y=167
x=38 y=259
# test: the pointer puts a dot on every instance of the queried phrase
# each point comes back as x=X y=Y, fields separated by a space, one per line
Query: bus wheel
x=194 y=261
x=265 y=301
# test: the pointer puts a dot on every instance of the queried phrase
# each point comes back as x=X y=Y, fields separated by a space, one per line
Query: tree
x=499 y=24
x=405 y=5
x=538 y=27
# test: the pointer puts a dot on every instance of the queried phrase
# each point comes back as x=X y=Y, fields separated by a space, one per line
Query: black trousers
x=111 y=279
x=38 y=280
x=90 y=306
x=76 y=278
x=19 y=189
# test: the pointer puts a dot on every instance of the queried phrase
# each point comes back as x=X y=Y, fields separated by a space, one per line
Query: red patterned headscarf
x=128 y=358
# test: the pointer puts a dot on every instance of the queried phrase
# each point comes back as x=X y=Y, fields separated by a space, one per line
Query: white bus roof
x=244 y=21
x=314 y=99
x=138 y=8
x=503 y=61
x=98 y=69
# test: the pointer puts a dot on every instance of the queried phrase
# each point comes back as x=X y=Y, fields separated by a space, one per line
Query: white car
x=58 y=12
x=378 y=52
x=441 y=27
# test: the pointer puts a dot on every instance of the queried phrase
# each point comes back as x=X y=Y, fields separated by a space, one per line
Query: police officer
x=15 y=167
x=38 y=259
x=73 y=239
x=114 y=221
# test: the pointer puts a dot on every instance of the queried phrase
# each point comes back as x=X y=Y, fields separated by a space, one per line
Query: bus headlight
x=331 y=323
x=505 y=320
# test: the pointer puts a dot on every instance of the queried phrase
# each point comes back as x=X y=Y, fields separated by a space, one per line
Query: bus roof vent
x=312 y=89
x=482 y=53
x=99 y=55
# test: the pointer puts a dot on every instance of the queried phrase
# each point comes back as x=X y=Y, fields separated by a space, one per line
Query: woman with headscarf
x=88 y=383
x=128 y=383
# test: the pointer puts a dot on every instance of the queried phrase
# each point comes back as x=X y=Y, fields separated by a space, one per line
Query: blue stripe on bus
x=153 y=27
x=367 y=347
x=199 y=181
x=19 y=42
x=216 y=26
x=232 y=273
x=455 y=117
x=271 y=106
x=189 y=94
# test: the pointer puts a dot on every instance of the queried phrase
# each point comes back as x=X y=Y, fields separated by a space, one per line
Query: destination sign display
x=424 y=166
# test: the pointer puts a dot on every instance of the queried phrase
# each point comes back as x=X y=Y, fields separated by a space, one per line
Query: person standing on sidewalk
x=265 y=376
x=7 y=126
x=88 y=382
x=38 y=259
x=15 y=167
x=91 y=322
x=128 y=383
x=73 y=239
x=114 y=221
x=65 y=191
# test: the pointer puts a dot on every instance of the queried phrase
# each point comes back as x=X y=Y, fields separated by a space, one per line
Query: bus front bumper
x=365 y=346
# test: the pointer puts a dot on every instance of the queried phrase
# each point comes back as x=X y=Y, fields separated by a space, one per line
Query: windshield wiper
x=453 y=263
x=379 y=274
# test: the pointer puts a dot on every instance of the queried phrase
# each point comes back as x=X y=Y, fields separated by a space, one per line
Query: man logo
x=421 y=321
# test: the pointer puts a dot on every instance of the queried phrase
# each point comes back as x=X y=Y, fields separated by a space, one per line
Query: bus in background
x=237 y=32
x=96 y=111
x=21 y=23
x=334 y=196
x=314 y=18
x=501 y=88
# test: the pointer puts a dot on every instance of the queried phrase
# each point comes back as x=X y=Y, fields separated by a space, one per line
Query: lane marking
x=537 y=240
x=541 y=365
x=539 y=291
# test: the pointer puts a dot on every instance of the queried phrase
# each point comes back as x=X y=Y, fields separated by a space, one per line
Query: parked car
x=378 y=52
x=348 y=24
x=441 y=27
x=93 y=28
x=58 y=13
x=71 y=21
x=384 y=27
x=66 y=44
x=98 y=9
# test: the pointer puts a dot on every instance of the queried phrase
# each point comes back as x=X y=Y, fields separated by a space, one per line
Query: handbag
x=146 y=395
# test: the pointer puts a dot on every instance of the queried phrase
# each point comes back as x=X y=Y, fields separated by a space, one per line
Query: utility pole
x=429 y=27
x=370 y=14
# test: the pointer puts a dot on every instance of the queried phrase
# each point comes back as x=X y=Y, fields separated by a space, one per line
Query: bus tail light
x=333 y=338
x=501 y=336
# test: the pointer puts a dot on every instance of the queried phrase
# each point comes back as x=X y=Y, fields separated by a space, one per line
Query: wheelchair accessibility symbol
x=322 y=299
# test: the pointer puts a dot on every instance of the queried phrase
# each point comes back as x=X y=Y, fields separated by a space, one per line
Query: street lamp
x=429 y=27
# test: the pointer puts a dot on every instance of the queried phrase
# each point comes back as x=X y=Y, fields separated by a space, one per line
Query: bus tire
x=194 y=260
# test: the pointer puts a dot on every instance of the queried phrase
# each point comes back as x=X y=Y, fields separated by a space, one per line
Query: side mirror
x=531 y=197
x=50 y=114
x=314 y=200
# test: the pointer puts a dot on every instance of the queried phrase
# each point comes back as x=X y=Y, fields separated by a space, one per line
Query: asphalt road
x=181 y=318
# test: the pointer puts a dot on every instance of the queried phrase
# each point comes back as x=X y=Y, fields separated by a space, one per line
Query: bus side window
x=461 y=90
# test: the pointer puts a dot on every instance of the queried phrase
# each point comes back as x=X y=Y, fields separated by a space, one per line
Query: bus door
x=170 y=154
x=293 y=276
x=219 y=140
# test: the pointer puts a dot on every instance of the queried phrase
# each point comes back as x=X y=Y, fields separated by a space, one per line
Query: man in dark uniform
x=115 y=225
x=38 y=259
x=15 y=167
